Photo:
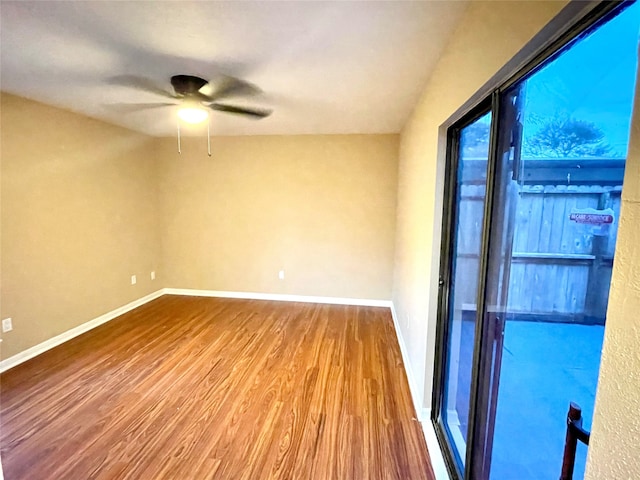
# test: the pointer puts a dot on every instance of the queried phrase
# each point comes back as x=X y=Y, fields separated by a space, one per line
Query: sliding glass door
x=468 y=194
x=531 y=212
x=558 y=193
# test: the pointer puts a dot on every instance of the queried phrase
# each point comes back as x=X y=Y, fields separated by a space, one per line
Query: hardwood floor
x=203 y=388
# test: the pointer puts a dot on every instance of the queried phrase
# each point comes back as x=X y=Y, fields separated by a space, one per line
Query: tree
x=565 y=137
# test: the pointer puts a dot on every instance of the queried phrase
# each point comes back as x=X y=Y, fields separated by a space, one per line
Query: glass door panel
x=469 y=194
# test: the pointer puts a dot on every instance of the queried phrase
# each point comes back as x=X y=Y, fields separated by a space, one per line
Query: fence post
x=595 y=305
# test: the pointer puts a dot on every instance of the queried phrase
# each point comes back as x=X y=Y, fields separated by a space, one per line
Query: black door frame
x=444 y=281
x=566 y=28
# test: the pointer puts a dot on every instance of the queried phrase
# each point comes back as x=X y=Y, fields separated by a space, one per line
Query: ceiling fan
x=195 y=96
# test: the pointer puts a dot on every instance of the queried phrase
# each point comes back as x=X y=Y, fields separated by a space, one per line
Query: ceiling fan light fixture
x=193 y=114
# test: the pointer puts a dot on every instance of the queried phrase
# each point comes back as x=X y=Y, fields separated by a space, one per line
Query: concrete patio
x=544 y=367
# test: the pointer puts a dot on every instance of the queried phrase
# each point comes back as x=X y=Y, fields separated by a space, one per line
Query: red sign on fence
x=591 y=218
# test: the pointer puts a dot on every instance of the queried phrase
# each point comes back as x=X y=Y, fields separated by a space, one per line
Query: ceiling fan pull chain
x=179 y=150
x=209 y=136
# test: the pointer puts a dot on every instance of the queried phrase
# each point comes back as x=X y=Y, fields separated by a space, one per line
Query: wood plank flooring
x=203 y=388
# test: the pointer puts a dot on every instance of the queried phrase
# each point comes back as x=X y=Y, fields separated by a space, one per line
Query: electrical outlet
x=133 y=279
x=281 y=274
x=153 y=275
x=6 y=325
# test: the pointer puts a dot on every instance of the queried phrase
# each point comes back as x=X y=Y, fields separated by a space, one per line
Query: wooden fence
x=560 y=271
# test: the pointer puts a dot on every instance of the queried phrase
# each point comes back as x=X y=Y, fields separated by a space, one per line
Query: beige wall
x=322 y=208
x=79 y=217
x=614 y=452
x=489 y=34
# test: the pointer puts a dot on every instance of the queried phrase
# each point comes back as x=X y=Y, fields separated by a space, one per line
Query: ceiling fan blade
x=250 y=111
x=136 y=107
x=140 y=83
x=226 y=86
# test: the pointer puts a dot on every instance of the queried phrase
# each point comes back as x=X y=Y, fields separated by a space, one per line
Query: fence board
x=535 y=220
x=557 y=223
x=548 y=212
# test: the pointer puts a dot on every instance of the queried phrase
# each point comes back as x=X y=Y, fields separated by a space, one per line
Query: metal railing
x=575 y=432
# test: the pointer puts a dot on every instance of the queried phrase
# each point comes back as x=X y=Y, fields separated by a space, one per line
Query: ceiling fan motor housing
x=187 y=85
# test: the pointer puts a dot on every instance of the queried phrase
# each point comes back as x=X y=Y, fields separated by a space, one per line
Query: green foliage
x=565 y=137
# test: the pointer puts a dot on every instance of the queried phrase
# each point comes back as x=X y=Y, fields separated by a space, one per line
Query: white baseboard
x=415 y=395
x=423 y=414
x=278 y=297
x=74 y=332
x=433 y=446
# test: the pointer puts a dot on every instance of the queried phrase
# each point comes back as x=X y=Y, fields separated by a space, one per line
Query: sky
x=594 y=80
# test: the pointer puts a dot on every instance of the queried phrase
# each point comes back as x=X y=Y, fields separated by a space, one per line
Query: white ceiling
x=325 y=67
